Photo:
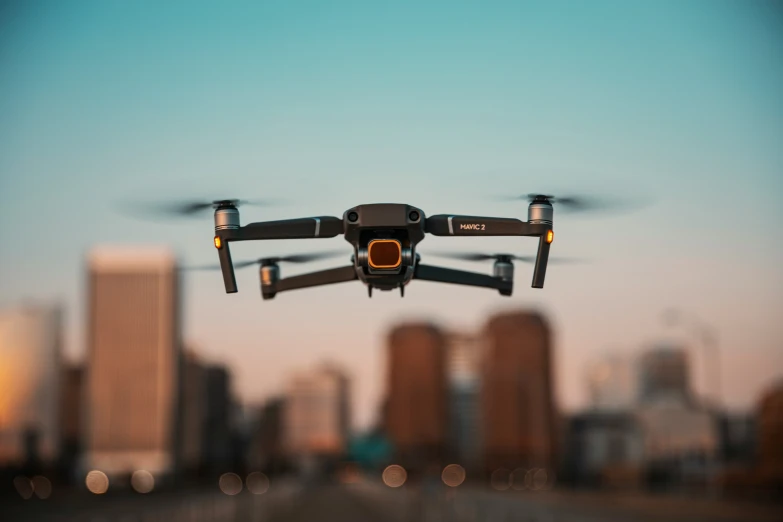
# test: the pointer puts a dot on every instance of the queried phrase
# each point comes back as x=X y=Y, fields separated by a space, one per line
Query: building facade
x=464 y=354
x=520 y=423
x=317 y=417
x=133 y=365
x=664 y=375
x=416 y=406
x=612 y=384
x=30 y=380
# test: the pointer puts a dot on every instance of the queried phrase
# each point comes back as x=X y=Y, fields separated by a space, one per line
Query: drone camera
x=384 y=254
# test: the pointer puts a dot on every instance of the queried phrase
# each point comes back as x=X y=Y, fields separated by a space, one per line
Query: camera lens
x=414 y=216
x=353 y=217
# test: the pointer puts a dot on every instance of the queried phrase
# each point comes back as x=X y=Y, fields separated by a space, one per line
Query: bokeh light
x=24 y=487
x=501 y=479
x=453 y=475
x=230 y=483
x=518 y=479
x=540 y=478
x=142 y=481
x=42 y=487
x=394 y=476
x=257 y=483
x=97 y=482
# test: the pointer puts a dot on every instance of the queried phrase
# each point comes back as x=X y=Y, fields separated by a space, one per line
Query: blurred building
x=30 y=380
x=133 y=340
x=316 y=418
x=217 y=429
x=71 y=417
x=611 y=384
x=192 y=411
x=463 y=361
x=267 y=448
x=417 y=417
x=664 y=375
x=770 y=442
x=737 y=435
x=519 y=418
x=681 y=437
x=605 y=449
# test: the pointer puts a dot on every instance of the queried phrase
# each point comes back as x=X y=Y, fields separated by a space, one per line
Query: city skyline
x=324 y=108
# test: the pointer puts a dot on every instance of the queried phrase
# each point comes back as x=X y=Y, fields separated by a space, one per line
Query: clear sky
x=443 y=105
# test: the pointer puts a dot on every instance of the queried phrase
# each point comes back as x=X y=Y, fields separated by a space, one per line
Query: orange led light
x=550 y=236
x=218 y=242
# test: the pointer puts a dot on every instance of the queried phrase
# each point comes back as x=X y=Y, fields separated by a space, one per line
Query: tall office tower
x=417 y=417
x=30 y=377
x=192 y=411
x=520 y=423
x=216 y=445
x=133 y=361
x=317 y=412
x=663 y=375
x=611 y=384
x=464 y=358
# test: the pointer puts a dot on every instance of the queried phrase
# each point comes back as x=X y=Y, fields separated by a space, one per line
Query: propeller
x=580 y=203
x=477 y=256
x=295 y=258
x=191 y=208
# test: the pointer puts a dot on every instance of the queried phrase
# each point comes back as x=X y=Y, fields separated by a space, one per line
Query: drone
x=384 y=238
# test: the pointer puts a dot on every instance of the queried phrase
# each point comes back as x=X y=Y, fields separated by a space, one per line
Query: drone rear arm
x=300 y=228
x=446 y=225
x=342 y=274
x=460 y=277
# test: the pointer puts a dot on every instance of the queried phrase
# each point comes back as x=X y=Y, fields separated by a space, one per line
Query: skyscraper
x=464 y=359
x=519 y=418
x=30 y=379
x=417 y=402
x=317 y=412
x=133 y=361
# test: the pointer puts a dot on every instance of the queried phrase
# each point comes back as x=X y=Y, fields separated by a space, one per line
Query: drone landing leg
x=369 y=291
x=402 y=290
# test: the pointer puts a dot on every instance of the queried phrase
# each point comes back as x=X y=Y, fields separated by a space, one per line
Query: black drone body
x=384 y=237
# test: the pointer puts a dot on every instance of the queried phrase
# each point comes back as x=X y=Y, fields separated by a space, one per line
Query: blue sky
x=443 y=105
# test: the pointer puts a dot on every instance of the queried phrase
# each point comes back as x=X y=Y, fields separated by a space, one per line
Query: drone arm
x=320 y=278
x=300 y=228
x=542 y=257
x=460 y=277
x=445 y=225
x=226 y=266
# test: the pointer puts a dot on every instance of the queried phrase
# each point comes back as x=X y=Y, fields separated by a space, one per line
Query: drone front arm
x=299 y=228
x=324 y=277
x=460 y=277
x=446 y=225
